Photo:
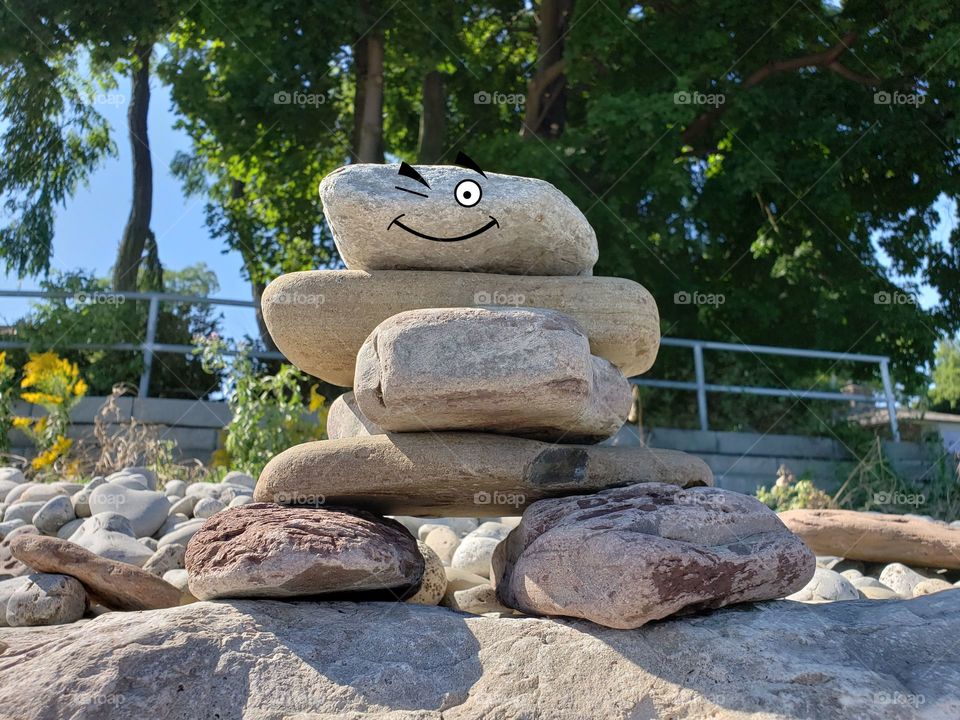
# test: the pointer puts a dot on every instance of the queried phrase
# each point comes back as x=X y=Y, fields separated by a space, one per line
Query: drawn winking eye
x=468 y=193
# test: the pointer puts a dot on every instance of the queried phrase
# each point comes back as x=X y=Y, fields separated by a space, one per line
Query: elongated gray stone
x=319 y=319
x=509 y=224
x=459 y=474
x=517 y=371
x=626 y=556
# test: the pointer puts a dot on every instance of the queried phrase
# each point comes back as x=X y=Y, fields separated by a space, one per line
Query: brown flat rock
x=626 y=556
x=113 y=584
x=877 y=537
x=460 y=474
x=265 y=550
x=320 y=319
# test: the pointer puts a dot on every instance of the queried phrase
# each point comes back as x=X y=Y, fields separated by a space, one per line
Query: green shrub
x=271 y=412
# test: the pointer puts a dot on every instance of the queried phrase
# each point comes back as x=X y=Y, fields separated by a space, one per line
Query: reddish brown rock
x=876 y=537
x=626 y=556
x=113 y=584
x=265 y=550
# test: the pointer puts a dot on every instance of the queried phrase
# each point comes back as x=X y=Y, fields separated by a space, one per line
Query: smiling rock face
x=455 y=219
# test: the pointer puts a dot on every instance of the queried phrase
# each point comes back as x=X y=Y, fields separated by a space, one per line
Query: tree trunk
x=370 y=143
x=137 y=230
x=257 y=286
x=546 y=106
x=432 y=119
x=359 y=93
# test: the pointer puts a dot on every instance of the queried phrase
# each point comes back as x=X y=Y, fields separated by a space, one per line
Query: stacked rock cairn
x=487 y=366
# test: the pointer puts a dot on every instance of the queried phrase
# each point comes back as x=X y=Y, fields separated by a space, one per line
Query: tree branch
x=829 y=59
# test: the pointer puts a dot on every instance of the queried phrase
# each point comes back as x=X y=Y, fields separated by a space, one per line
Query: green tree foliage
x=945 y=393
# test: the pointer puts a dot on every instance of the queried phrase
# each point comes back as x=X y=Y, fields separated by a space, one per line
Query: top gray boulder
x=463 y=221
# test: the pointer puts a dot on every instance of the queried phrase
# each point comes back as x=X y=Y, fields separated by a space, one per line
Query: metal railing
x=150 y=347
x=702 y=387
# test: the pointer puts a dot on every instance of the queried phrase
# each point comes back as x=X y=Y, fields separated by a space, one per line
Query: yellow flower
x=41 y=398
x=61 y=446
x=21 y=422
x=316 y=399
x=80 y=388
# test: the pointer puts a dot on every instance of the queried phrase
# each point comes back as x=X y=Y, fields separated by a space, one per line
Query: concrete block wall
x=194 y=425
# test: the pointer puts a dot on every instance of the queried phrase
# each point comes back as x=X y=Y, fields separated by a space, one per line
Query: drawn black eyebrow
x=412 y=192
x=409 y=172
x=465 y=161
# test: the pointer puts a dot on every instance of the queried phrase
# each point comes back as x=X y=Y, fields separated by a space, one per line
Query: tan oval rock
x=263 y=550
x=434 y=583
x=877 y=537
x=320 y=319
x=626 y=556
x=344 y=419
x=509 y=224
x=460 y=474
x=517 y=371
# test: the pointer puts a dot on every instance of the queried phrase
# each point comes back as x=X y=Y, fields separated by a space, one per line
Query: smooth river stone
x=517 y=371
x=532 y=228
x=460 y=474
x=877 y=537
x=113 y=584
x=320 y=319
x=626 y=556
x=344 y=419
x=265 y=550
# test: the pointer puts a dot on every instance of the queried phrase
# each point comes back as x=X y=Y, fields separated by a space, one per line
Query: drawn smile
x=396 y=221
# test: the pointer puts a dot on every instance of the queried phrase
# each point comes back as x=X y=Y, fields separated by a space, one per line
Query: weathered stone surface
x=208 y=507
x=110 y=536
x=825 y=586
x=144 y=472
x=12 y=474
x=626 y=556
x=470 y=474
x=7 y=588
x=344 y=419
x=182 y=533
x=443 y=541
x=113 y=584
x=517 y=371
x=54 y=514
x=235 y=477
x=23 y=510
x=877 y=537
x=473 y=553
x=901 y=579
x=46 y=599
x=266 y=660
x=9 y=565
x=81 y=500
x=168 y=557
x=434 y=582
x=928 y=587
x=528 y=227
x=319 y=319
x=263 y=550
x=145 y=509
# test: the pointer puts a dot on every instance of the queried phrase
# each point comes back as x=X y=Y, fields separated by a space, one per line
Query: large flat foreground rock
x=267 y=660
x=467 y=474
x=320 y=319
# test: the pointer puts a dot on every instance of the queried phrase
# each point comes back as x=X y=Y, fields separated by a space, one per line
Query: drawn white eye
x=468 y=193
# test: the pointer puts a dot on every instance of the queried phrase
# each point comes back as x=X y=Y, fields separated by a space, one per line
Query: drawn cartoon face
x=468 y=193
